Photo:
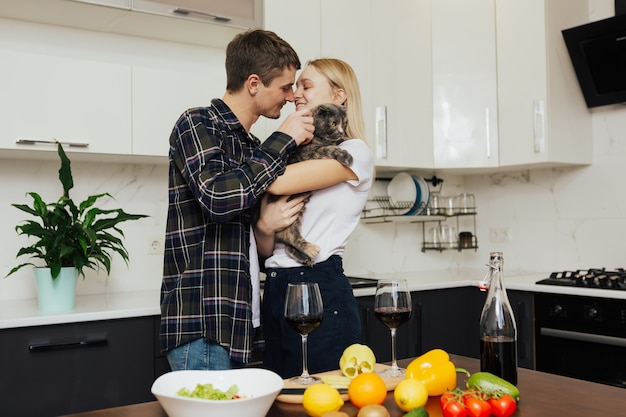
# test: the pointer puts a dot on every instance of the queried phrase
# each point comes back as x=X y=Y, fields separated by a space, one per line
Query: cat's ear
x=321 y=111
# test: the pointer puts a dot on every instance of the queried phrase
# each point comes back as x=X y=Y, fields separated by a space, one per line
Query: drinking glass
x=304 y=311
x=392 y=306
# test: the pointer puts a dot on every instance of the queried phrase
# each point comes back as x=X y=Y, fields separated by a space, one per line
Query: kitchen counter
x=541 y=395
x=23 y=313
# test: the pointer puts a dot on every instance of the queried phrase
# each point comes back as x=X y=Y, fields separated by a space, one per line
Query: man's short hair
x=259 y=52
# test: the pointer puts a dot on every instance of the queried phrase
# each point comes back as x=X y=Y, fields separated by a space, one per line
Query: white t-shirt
x=332 y=213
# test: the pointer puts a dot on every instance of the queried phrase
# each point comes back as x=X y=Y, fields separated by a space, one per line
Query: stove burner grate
x=589 y=278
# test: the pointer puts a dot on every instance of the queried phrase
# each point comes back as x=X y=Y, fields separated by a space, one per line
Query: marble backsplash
x=561 y=218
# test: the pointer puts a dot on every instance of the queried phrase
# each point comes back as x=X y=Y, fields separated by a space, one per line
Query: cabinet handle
x=216 y=17
x=583 y=337
x=488 y=133
x=381 y=132
x=50 y=142
x=521 y=316
x=538 y=128
x=68 y=344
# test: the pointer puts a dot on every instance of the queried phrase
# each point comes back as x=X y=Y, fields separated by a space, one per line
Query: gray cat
x=331 y=122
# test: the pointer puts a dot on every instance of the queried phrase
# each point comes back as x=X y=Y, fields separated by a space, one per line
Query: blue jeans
x=200 y=354
x=341 y=325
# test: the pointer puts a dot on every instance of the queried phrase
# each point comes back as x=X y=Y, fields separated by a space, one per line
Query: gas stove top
x=589 y=278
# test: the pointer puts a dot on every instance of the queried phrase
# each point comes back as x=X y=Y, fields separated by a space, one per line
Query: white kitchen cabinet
x=543 y=118
x=160 y=95
x=115 y=16
x=504 y=91
x=401 y=70
x=465 y=113
x=297 y=22
x=47 y=98
x=347 y=34
x=325 y=29
x=322 y=30
x=120 y=4
x=237 y=13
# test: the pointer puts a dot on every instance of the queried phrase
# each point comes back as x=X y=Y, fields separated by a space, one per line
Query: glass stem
x=305 y=366
x=394 y=363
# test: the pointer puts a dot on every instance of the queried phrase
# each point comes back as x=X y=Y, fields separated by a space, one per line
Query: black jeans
x=341 y=325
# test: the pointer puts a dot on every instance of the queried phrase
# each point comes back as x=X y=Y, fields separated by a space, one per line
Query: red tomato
x=503 y=406
x=453 y=408
x=446 y=397
x=477 y=407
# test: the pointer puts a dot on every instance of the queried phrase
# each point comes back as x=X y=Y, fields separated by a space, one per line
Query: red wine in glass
x=391 y=317
x=303 y=312
x=392 y=306
x=304 y=324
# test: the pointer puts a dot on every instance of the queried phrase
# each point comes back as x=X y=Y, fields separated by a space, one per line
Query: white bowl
x=259 y=387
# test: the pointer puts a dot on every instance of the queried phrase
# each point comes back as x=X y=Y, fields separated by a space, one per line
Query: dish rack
x=386 y=210
x=383 y=209
x=458 y=245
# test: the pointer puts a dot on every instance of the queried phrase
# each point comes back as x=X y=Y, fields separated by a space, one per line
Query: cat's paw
x=346 y=160
x=305 y=254
x=311 y=251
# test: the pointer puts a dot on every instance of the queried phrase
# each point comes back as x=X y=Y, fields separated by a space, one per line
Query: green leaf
x=65 y=172
x=66 y=234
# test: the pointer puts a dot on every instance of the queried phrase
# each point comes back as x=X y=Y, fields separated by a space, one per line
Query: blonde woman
x=338 y=196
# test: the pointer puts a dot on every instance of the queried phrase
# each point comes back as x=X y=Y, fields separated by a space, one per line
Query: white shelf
x=402 y=219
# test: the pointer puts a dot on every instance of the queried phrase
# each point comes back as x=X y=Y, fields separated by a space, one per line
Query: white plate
x=403 y=193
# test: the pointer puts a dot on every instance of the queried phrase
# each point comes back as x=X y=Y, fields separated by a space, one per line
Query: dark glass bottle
x=498 y=332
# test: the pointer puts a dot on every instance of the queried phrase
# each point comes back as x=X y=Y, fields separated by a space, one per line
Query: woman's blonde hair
x=340 y=75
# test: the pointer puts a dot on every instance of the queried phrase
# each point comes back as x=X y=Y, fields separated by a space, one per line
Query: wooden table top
x=541 y=395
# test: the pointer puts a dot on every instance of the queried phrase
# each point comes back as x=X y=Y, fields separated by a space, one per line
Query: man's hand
x=276 y=216
x=299 y=125
x=280 y=213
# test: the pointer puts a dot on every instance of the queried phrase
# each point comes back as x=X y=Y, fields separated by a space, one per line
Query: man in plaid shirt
x=218 y=172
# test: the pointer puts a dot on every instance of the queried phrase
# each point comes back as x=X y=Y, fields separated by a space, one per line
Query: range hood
x=237 y=13
x=598 y=54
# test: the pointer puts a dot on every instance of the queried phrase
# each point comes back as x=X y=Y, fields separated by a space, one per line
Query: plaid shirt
x=217 y=174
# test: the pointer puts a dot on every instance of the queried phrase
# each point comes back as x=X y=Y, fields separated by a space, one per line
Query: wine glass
x=392 y=307
x=304 y=311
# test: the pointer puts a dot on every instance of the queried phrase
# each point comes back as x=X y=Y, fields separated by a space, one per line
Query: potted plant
x=68 y=239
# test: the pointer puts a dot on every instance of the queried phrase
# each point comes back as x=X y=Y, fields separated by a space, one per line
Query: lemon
x=357 y=359
x=410 y=393
x=321 y=398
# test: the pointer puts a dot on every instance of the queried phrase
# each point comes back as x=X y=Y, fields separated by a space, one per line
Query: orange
x=365 y=389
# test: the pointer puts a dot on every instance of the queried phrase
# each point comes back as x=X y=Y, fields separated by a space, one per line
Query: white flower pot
x=58 y=295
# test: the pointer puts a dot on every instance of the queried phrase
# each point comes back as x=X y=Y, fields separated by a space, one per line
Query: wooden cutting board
x=390 y=382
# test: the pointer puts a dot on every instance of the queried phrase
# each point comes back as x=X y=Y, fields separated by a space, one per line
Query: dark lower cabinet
x=435 y=322
x=69 y=368
x=447 y=319
x=443 y=320
x=378 y=336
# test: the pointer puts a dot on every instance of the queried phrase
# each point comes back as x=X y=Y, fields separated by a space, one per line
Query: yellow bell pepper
x=357 y=359
x=435 y=370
